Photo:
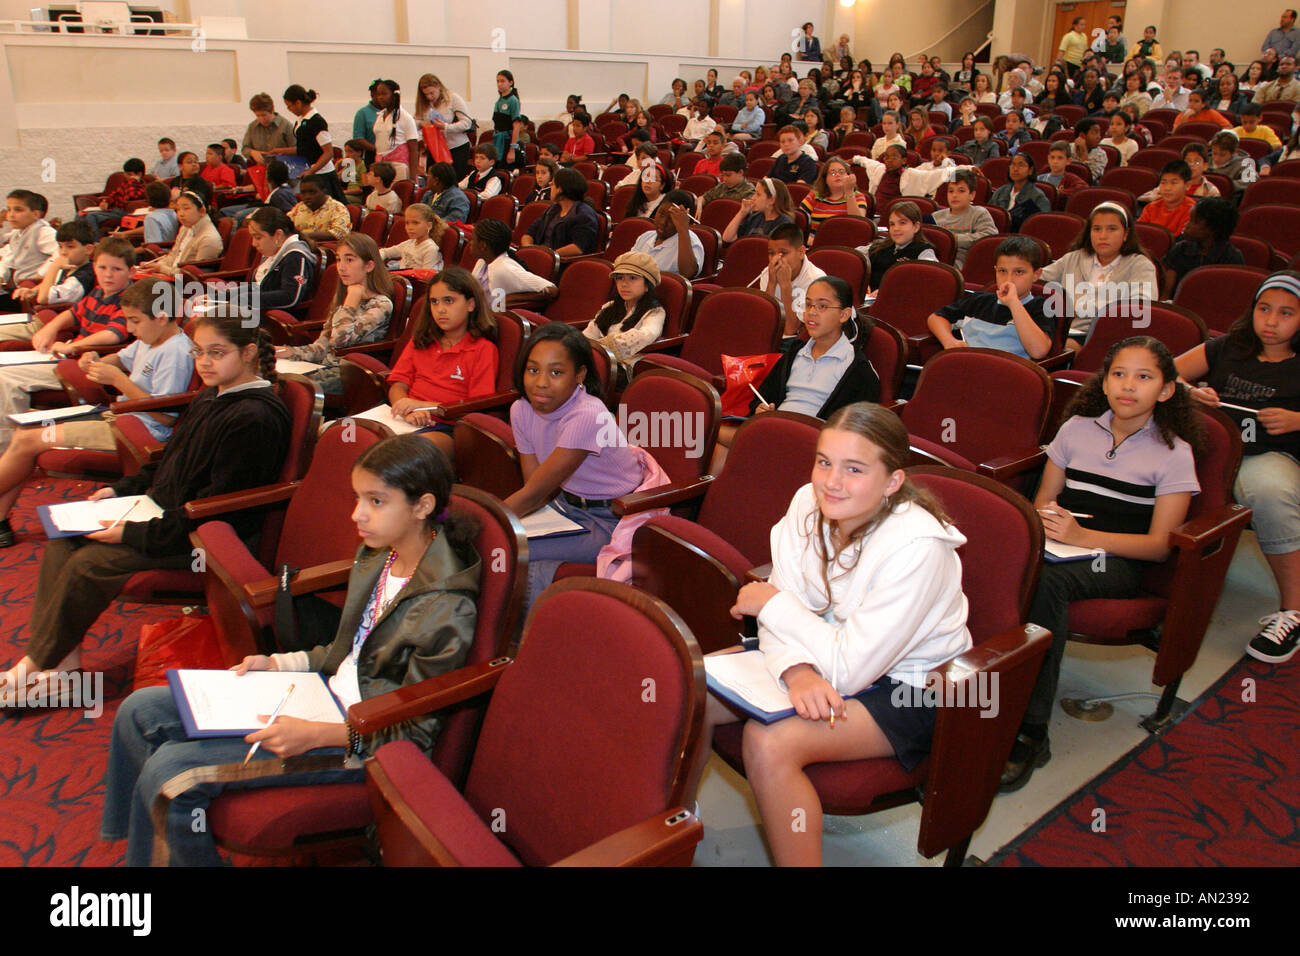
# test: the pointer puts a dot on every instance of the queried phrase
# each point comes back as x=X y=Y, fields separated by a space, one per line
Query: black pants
x=460 y=160
x=79 y=579
x=1108 y=577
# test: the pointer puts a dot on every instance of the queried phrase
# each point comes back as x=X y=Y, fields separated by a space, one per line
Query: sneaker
x=1277 y=639
x=7 y=537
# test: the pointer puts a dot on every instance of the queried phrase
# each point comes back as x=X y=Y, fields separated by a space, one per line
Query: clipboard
x=176 y=680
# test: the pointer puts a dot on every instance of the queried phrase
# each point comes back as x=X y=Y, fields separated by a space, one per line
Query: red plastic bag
x=436 y=144
x=188 y=641
x=257 y=174
x=742 y=372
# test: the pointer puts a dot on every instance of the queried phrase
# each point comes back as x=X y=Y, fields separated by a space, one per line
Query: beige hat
x=637 y=264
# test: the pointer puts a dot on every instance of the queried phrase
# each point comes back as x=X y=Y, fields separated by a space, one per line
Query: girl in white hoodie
x=865 y=596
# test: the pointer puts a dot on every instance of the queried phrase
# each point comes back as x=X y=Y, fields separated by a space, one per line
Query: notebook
x=226 y=704
x=548 y=522
x=82 y=517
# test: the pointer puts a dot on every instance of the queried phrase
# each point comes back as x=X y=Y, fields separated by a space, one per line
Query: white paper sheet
x=28 y=358
x=547 y=521
x=745 y=675
x=223 y=700
x=294 y=367
x=85 y=516
x=41 y=416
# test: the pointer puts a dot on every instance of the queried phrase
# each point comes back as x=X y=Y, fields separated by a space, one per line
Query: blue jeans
x=97 y=218
x=547 y=554
x=149 y=748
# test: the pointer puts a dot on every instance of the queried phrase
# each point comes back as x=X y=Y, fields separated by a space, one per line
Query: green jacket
x=426 y=631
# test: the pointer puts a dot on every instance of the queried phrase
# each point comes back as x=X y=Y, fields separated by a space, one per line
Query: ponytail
x=266 y=357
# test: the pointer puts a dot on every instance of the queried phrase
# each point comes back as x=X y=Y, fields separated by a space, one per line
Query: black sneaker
x=1277 y=639
x=7 y=537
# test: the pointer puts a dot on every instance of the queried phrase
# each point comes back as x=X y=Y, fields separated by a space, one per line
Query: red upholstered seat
x=981 y=259
x=848 y=264
x=907 y=296
x=1083 y=202
x=1000 y=565
x=1057 y=229
x=887 y=351
x=584 y=288
x=744 y=260
x=571 y=773
x=1220 y=295
x=848 y=231
x=1152 y=158
x=1275 y=224
x=731 y=322
x=1131 y=179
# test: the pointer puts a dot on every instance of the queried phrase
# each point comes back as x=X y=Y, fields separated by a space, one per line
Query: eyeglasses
x=215 y=355
x=822 y=306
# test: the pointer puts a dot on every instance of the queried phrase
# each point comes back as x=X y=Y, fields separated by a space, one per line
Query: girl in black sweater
x=233 y=436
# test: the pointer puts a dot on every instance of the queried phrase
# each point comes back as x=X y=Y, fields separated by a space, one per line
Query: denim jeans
x=547 y=554
x=149 y=747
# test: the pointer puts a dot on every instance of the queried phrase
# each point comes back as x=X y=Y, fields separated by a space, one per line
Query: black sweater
x=859 y=383
x=222 y=443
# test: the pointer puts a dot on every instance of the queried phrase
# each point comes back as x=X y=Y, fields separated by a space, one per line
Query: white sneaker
x=1278 y=639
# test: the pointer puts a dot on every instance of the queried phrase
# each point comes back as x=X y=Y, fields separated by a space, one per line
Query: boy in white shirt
x=789 y=273
x=31 y=244
x=379 y=177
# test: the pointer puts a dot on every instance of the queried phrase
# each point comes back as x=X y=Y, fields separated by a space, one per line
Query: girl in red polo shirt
x=452 y=356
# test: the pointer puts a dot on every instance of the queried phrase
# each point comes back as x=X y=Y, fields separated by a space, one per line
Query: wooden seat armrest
x=485 y=403
x=669 y=343
x=662 y=497
x=1060 y=360
x=200 y=509
x=759 y=574
x=307 y=581
x=201 y=266
x=533 y=301
x=426 y=696
x=660 y=840
x=988 y=654
x=1209 y=528
x=157 y=403
x=1008 y=466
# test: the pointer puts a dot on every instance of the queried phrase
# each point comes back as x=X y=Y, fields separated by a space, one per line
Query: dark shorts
x=439 y=427
x=908 y=727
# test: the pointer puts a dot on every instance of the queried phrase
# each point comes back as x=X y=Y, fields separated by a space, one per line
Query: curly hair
x=1175 y=417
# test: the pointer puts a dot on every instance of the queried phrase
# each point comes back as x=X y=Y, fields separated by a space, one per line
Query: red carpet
x=1222 y=788
x=52 y=761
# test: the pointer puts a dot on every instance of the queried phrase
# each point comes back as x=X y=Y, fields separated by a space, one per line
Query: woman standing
x=437 y=106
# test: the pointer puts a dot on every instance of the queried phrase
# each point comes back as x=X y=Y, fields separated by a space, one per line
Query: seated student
x=792 y=164
x=168 y=165
x=570 y=226
x=890 y=134
x=548 y=150
x=497 y=269
x=1199 y=111
x=362 y=307
x=965 y=114
x=1255 y=365
x=917 y=124
x=698 y=121
x=197 y=241
x=159 y=219
x=896 y=612
x=965 y=220
x=230 y=149
x=1205 y=241
x=733 y=184
x=749 y=121
x=1288 y=151
x=189 y=174
x=452 y=356
x=834 y=193
x=543 y=177
x=286 y=274
x=1065 y=182
x=905 y=241
x=672 y=245
x=889 y=184
x=939 y=158
x=788 y=274
x=277 y=179
x=1252 y=128
x=770 y=206
x=579 y=143
x=1012 y=319
x=1014 y=135
x=29 y=245
x=939 y=101
x=318 y=215
x=120 y=200
x=568 y=442
x=848 y=122
x=654 y=180
x=1019 y=196
x=828 y=371
x=379 y=178
x=1087 y=146
x=633 y=317
x=157 y=362
x=95 y=320
x=816 y=135
x=358 y=154
x=446 y=198
x=69 y=275
x=482 y=177
x=1118 y=137
x=410 y=604
x=982 y=146
x=1019 y=103
x=420 y=249
x=1104 y=266
x=715 y=145
x=1174 y=205
x=1226 y=159
x=1124 y=459
x=215 y=171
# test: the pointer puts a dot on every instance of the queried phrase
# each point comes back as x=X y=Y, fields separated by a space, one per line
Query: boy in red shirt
x=579 y=143
x=215 y=170
x=1174 y=206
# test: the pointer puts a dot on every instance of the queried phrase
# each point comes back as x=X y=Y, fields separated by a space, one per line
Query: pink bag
x=614 y=561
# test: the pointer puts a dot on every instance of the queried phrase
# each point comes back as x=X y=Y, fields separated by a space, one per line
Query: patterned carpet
x=52 y=761
x=1222 y=788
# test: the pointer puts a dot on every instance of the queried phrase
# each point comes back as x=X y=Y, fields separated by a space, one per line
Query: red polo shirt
x=466 y=370
x=1175 y=220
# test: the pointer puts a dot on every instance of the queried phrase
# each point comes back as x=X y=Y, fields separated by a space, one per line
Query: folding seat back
x=1275 y=224
x=527 y=216
x=909 y=293
x=1220 y=295
x=1085 y=200
x=846 y=263
x=1057 y=229
x=735 y=322
x=502 y=207
x=583 y=289
x=674 y=416
x=848 y=231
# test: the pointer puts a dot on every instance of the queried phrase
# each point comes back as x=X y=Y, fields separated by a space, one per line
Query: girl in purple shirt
x=570 y=449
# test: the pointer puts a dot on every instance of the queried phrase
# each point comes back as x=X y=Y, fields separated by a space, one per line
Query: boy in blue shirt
x=1012 y=319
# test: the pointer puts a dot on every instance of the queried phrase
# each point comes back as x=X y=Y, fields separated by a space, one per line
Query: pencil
x=1239 y=408
x=124 y=516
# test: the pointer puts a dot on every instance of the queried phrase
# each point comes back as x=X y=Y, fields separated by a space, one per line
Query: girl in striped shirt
x=835 y=193
x=1122 y=465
